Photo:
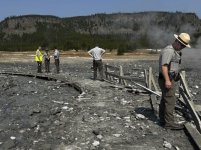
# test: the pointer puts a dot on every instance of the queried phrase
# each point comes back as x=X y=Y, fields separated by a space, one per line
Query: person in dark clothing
x=46 y=56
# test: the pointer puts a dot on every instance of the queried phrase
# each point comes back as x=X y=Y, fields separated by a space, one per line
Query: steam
x=163 y=35
x=160 y=37
x=198 y=46
x=191 y=58
x=193 y=55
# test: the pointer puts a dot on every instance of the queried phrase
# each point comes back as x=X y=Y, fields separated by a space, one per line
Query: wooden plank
x=197 y=108
x=121 y=73
x=181 y=100
x=112 y=74
x=154 y=83
x=185 y=87
x=149 y=81
x=154 y=103
x=199 y=114
x=130 y=78
x=183 y=74
x=146 y=79
x=123 y=77
x=195 y=135
x=190 y=106
x=127 y=88
x=137 y=69
x=109 y=81
x=112 y=67
x=131 y=147
x=147 y=89
x=112 y=78
x=106 y=70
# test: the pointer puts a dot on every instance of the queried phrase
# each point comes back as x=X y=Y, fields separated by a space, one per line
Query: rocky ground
x=42 y=114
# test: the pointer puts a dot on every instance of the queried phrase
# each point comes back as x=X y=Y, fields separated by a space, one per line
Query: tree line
x=67 y=40
x=122 y=32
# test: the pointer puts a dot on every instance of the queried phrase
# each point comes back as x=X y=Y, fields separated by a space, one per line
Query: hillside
x=124 y=31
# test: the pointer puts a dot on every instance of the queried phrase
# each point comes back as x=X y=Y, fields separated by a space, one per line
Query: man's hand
x=168 y=84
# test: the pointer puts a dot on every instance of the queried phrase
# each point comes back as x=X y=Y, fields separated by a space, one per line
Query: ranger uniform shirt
x=46 y=55
x=169 y=57
x=56 y=54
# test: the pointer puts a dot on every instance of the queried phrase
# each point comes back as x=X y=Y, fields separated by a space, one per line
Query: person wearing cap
x=39 y=59
x=169 y=62
x=96 y=53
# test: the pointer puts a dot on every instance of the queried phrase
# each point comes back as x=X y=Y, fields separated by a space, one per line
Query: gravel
x=45 y=114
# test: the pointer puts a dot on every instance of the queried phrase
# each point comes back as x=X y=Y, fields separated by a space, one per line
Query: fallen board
x=196 y=136
x=190 y=106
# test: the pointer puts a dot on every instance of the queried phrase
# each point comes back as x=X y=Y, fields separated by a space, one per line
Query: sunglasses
x=181 y=45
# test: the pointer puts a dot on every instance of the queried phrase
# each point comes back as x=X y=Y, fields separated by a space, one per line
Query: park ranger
x=169 y=62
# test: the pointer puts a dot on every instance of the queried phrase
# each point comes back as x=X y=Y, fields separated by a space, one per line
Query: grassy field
x=29 y=56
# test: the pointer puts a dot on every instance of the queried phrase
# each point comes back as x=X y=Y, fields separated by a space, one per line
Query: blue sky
x=70 y=8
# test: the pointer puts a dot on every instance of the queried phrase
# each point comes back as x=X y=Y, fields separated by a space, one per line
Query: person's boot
x=161 y=123
x=174 y=126
x=102 y=80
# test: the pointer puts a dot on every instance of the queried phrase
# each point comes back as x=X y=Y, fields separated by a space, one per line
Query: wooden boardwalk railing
x=184 y=96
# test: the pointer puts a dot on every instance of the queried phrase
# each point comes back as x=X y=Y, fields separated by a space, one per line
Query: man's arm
x=90 y=53
x=168 y=83
x=38 y=54
x=102 y=52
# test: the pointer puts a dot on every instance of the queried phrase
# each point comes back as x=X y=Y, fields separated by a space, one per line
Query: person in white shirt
x=96 y=53
x=56 y=59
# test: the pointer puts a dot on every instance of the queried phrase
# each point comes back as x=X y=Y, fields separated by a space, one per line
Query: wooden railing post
x=149 y=81
x=145 y=77
x=106 y=70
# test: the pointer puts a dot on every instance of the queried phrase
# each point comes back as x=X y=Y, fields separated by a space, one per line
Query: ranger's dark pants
x=57 y=62
x=39 y=66
x=98 y=65
x=167 y=103
x=47 y=65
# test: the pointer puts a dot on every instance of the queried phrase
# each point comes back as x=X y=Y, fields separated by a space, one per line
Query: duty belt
x=160 y=76
x=172 y=75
